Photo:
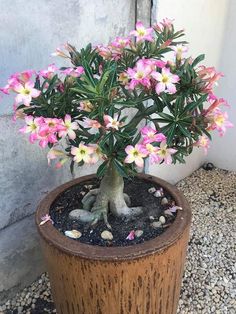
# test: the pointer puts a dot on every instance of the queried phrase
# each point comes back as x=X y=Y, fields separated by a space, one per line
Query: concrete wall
x=32 y=30
x=223 y=149
x=204 y=24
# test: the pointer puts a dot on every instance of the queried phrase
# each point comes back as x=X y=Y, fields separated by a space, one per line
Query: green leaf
x=120 y=168
x=184 y=131
x=197 y=60
x=102 y=169
x=170 y=132
x=166 y=116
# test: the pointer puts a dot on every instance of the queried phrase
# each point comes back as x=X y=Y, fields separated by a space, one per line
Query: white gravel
x=209 y=284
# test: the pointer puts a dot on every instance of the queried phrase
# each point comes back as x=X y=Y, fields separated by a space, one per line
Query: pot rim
x=55 y=238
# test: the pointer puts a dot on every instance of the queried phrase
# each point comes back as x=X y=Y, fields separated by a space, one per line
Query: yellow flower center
x=165 y=79
x=139 y=75
x=162 y=152
x=141 y=32
x=25 y=91
x=135 y=153
x=220 y=120
x=33 y=126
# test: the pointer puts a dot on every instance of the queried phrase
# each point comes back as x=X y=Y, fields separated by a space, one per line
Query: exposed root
x=109 y=197
x=127 y=199
x=89 y=199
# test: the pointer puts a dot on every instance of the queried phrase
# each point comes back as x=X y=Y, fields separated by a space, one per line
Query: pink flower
x=82 y=153
x=131 y=235
x=165 y=81
x=32 y=126
x=180 y=51
x=96 y=154
x=59 y=53
x=45 y=219
x=92 y=123
x=25 y=92
x=86 y=105
x=215 y=103
x=67 y=127
x=165 y=23
x=73 y=72
x=150 y=135
x=49 y=72
x=140 y=74
x=203 y=142
x=53 y=124
x=111 y=123
x=141 y=33
x=120 y=42
x=219 y=121
x=164 y=153
x=135 y=154
x=152 y=153
x=209 y=78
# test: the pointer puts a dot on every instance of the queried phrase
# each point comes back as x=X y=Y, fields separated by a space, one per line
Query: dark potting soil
x=137 y=189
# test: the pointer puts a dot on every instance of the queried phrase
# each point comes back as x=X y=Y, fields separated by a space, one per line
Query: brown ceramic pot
x=138 y=279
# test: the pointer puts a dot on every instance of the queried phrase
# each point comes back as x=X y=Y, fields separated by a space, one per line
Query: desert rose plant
x=80 y=112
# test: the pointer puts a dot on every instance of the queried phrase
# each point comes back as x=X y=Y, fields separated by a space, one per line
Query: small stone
x=138 y=233
x=74 y=234
x=151 y=218
x=152 y=190
x=168 y=212
x=208 y=166
x=156 y=224
x=162 y=220
x=82 y=215
x=229 y=209
x=106 y=235
x=164 y=201
x=158 y=193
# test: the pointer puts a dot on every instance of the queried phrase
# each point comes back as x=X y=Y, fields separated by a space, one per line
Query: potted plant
x=111 y=249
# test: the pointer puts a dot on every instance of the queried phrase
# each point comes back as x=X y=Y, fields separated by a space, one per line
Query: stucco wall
x=223 y=149
x=30 y=32
x=204 y=24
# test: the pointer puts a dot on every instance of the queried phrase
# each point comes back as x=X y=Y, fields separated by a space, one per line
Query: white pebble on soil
x=210 y=272
x=106 y=235
x=152 y=190
x=138 y=233
x=158 y=193
x=74 y=234
x=164 y=201
x=156 y=224
x=162 y=220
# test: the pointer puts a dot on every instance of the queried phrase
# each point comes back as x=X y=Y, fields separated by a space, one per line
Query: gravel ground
x=209 y=284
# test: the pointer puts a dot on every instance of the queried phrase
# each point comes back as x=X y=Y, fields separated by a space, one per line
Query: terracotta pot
x=138 y=279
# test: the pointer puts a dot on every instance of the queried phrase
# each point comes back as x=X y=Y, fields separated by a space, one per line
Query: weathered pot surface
x=149 y=269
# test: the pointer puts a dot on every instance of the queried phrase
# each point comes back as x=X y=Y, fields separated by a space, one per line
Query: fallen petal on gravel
x=131 y=235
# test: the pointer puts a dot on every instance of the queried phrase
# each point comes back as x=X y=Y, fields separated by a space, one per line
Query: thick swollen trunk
x=111 y=194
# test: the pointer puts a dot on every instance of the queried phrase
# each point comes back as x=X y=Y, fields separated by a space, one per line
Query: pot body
x=139 y=279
